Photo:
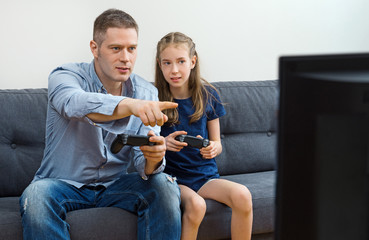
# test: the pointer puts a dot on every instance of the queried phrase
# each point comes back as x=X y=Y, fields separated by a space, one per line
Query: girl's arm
x=215 y=147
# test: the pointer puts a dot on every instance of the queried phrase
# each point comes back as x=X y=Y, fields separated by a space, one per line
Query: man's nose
x=124 y=56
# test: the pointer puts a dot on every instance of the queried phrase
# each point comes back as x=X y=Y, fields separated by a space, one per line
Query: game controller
x=192 y=141
x=132 y=140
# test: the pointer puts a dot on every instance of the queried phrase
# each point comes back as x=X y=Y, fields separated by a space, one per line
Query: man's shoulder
x=141 y=84
x=81 y=69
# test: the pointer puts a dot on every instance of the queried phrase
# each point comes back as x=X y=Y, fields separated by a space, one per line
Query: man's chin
x=122 y=78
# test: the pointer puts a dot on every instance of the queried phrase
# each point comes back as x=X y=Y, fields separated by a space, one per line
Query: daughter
x=178 y=79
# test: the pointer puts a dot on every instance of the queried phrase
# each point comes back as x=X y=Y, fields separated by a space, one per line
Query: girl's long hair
x=197 y=85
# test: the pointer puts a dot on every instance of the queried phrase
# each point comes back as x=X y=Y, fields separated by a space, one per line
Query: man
x=89 y=104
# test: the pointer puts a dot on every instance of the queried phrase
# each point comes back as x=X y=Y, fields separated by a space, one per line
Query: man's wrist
x=151 y=168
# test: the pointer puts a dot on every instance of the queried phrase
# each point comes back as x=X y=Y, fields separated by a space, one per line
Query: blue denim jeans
x=44 y=205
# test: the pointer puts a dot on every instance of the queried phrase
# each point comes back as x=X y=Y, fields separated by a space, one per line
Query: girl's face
x=176 y=66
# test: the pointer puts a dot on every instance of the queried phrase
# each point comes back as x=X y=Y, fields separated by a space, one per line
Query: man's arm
x=150 y=112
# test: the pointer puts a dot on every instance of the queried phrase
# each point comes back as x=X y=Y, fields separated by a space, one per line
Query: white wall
x=236 y=39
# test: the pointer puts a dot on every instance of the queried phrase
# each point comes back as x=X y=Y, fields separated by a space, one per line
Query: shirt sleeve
x=69 y=97
x=215 y=108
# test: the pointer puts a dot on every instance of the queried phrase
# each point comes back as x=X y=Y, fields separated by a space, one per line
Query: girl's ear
x=193 y=61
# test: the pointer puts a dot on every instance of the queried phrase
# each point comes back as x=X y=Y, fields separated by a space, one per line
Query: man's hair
x=112 y=18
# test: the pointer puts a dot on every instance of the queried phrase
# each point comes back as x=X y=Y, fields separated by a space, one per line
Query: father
x=89 y=104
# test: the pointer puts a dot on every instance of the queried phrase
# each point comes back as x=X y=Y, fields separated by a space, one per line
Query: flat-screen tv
x=323 y=148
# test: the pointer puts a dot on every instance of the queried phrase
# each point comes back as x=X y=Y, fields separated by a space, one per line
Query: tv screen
x=323 y=148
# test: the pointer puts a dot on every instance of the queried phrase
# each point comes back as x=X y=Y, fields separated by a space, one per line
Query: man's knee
x=168 y=191
x=34 y=196
x=166 y=185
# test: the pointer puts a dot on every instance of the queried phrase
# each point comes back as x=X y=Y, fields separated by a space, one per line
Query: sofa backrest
x=248 y=130
x=22 y=137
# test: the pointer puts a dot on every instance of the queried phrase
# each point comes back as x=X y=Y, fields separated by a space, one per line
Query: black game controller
x=192 y=141
x=132 y=140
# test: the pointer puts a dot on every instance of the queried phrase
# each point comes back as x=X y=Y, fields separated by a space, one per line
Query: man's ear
x=94 y=48
x=193 y=61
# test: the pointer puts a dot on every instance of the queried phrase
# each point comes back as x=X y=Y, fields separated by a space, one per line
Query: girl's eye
x=166 y=63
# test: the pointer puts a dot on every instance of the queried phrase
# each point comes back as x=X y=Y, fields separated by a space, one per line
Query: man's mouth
x=123 y=69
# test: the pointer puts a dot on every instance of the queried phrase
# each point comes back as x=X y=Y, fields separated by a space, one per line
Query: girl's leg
x=237 y=197
x=194 y=208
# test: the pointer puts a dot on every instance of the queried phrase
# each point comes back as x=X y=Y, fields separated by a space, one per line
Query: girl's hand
x=174 y=145
x=210 y=151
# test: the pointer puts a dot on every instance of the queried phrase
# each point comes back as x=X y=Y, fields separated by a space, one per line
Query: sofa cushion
x=10 y=219
x=22 y=137
x=251 y=121
x=115 y=223
x=102 y=223
x=90 y=224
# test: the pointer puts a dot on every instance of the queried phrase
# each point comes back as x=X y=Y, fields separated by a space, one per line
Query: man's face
x=116 y=56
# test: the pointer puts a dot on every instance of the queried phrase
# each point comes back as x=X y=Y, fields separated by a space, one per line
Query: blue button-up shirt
x=77 y=149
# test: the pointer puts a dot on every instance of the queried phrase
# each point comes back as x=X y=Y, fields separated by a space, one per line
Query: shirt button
x=13 y=146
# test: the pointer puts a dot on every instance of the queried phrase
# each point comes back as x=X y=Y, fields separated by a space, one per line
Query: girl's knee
x=242 y=199
x=198 y=204
x=195 y=208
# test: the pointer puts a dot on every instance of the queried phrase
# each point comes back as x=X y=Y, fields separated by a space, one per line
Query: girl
x=177 y=78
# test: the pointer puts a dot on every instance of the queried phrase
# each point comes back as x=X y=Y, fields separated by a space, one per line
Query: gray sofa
x=248 y=134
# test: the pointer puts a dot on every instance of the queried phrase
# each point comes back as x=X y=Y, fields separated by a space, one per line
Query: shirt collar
x=96 y=81
x=128 y=90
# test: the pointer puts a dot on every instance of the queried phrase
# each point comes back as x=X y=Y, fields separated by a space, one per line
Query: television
x=323 y=148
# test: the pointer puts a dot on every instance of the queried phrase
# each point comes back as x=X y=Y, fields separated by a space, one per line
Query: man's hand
x=150 y=112
x=174 y=145
x=153 y=154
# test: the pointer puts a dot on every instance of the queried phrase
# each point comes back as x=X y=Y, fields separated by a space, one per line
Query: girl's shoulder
x=212 y=92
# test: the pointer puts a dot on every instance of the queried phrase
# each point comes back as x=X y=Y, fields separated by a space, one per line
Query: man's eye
x=116 y=48
x=132 y=48
x=182 y=61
